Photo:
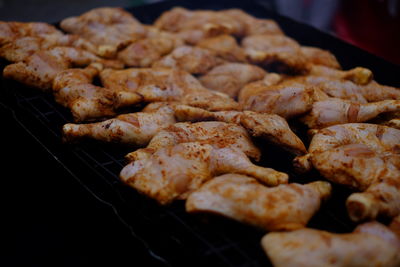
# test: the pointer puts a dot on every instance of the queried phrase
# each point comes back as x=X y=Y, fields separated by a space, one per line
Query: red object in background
x=369 y=25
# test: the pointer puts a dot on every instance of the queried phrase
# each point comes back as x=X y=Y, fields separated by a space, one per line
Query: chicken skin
x=73 y=89
x=194 y=60
x=135 y=129
x=278 y=52
x=174 y=172
x=364 y=157
x=40 y=69
x=230 y=78
x=112 y=27
x=269 y=127
x=161 y=84
x=225 y=47
x=370 y=244
x=218 y=134
x=239 y=197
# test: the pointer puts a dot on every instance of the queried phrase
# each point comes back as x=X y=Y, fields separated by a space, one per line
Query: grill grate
x=172 y=234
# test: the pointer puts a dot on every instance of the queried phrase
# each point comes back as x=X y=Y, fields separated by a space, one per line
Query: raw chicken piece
x=274 y=129
x=73 y=89
x=225 y=47
x=354 y=85
x=270 y=127
x=161 y=84
x=338 y=111
x=229 y=78
x=174 y=172
x=39 y=69
x=357 y=75
x=239 y=197
x=364 y=157
x=279 y=52
x=19 y=40
x=144 y=52
x=394 y=123
x=194 y=60
x=113 y=27
x=252 y=25
x=370 y=244
x=320 y=56
x=132 y=128
x=194 y=26
x=287 y=99
x=217 y=134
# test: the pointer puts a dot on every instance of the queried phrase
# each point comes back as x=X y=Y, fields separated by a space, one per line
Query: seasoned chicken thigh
x=230 y=78
x=370 y=244
x=239 y=197
x=194 y=60
x=364 y=157
x=112 y=27
x=160 y=84
x=73 y=89
x=131 y=129
x=20 y=40
x=253 y=25
x=174 y=172
x=338 y=111
x=225 y=47
x=144 y=52
x=279 y=52
x=270 y=127
x=194 y=26
x=39 y=69
x=215 y=133
x=287 y=99
x=320 y=56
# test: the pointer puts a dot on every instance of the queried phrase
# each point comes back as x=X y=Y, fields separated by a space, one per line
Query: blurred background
x=373 y=25
x=91 y=233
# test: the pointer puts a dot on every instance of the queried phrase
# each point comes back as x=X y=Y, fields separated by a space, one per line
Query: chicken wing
x=112 y=27
x=217 y=134
x=230 y=78
x=132 y=129
x=194 y=60
x=160 y=84
x=174 y=172
x=338 y=111
x=40 y=69
x=270 y=127
x=370 y=244
x=225 y=47
x=277 y=52
x=239 y=197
